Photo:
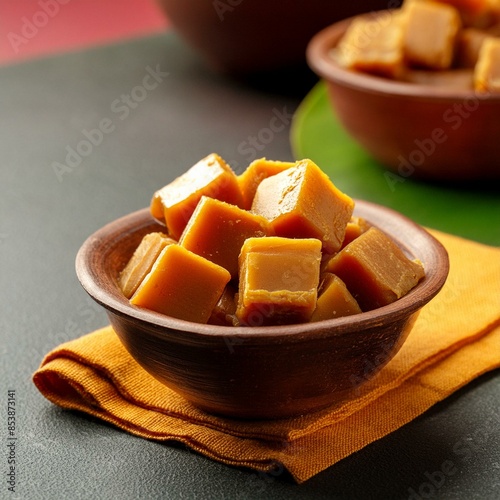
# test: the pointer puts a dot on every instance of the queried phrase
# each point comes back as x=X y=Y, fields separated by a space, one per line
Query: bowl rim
x=88 y=264
x=319 y=60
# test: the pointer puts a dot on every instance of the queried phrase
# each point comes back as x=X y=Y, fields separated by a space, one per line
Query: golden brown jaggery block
x=142 y=261
x=473 y=13
x=494 y=16
x=375 y=270
x=175 y=202
x=255 y=173
x=217 y=231
x=224 y=313
x=183 y=285
x=334 y=299
x=469 y=44
x=302 y=202
x=374 y=45
x=487 y=70
x=354 y=228
x=430 y=34
x=278 y=280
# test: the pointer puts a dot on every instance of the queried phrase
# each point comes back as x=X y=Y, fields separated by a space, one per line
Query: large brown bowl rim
x=90 y=271
x=321 y=62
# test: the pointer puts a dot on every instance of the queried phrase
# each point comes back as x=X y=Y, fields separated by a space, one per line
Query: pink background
x=34 y=28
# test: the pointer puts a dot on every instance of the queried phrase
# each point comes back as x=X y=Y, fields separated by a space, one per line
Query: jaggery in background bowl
x=248 y=36
x=416 y=130
x=259 y=372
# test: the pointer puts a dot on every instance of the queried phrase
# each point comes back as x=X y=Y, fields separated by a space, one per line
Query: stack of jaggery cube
x=453 y=43
x=275 y=245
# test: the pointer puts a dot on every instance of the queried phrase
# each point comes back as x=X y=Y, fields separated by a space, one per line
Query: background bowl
x=259 y=372
x=415 y=130
x=245 y=36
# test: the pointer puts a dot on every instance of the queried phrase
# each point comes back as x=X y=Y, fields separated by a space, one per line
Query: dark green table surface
x=50 y=202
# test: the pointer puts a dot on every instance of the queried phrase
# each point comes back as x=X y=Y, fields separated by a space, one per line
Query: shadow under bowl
x=259 y=372
x=430 y=132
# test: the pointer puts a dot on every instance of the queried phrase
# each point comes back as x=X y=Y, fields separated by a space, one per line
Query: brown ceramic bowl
x=429 y=132
x=259 y=372
x=246 y=36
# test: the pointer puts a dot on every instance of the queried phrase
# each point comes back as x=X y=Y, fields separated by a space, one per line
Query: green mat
x=471 y=211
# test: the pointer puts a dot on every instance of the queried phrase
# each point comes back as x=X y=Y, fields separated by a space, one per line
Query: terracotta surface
x=258 y=372
x=415 y=130
x=244 y=36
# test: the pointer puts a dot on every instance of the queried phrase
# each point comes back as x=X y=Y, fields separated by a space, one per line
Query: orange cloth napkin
x=455 y=339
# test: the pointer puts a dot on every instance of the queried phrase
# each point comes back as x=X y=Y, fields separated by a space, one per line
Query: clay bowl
x=248 y=36
x=259 y=372
x=428 y=132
